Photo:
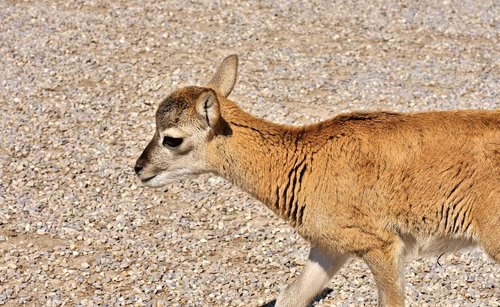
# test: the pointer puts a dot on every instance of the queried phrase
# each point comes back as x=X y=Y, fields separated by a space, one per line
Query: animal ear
x=224 y=79
x=207 y=107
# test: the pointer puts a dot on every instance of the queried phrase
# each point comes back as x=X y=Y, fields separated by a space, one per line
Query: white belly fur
x=435 y=245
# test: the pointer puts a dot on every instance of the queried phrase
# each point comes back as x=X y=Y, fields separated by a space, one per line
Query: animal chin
x=154 y=181
x=163 y=178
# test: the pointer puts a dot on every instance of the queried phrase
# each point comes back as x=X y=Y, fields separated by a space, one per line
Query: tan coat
x=376 y=185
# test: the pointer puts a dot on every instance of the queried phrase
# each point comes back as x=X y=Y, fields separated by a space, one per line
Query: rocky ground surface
x=79 y=84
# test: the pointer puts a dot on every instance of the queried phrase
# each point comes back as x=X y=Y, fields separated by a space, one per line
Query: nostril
x=138 y=168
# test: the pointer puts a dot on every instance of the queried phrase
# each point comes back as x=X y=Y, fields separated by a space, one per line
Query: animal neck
x=263 y=158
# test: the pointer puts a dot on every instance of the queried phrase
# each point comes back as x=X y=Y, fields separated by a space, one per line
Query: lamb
x=376 y=185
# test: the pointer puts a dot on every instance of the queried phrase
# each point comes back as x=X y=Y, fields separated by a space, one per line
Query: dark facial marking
x=172 y=103
x=171 y=109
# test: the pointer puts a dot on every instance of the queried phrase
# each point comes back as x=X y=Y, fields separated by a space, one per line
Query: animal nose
x=138 y=167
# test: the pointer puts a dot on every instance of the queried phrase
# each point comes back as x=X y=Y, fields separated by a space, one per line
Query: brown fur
x=377 y=185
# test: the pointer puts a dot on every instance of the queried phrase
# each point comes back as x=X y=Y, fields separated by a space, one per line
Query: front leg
x=386 y=265
x=320 y=268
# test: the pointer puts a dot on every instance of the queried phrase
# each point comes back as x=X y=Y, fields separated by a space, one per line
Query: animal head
x=186 y=121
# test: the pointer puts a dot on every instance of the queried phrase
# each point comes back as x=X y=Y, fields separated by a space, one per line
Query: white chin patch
x=165 y=177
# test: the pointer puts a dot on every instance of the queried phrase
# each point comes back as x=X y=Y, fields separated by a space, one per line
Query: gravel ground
x=79 y=85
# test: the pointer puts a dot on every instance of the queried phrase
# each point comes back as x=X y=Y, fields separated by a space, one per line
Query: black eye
x=171 y=142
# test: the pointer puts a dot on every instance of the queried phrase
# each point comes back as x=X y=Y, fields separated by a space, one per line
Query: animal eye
x=172 y=142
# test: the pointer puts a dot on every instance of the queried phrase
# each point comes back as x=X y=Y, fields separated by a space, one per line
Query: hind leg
x=319 y=269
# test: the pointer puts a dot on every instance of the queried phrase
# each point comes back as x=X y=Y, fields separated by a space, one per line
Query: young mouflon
x=376 y=185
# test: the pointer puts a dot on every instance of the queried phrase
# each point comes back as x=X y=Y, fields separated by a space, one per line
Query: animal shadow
x=318 y=298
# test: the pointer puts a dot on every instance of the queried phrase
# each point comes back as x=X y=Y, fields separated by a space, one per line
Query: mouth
x=162 y=178
x=147 y=179
x=154 y=181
